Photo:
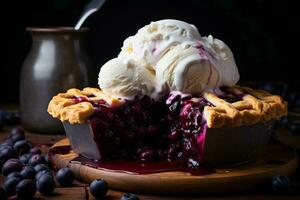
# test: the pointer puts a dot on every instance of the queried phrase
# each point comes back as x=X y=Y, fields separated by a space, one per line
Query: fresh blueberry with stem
x=28 y=172
x=65 y=177
x=9 y=186
x=25 y=189
x=280 y=183
x=129 y=196
x=45 y=184
x=99 y=188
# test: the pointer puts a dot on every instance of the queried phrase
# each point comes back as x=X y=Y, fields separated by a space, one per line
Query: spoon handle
x=90 y=8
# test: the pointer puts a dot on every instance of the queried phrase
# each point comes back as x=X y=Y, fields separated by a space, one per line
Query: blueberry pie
x=160 y=98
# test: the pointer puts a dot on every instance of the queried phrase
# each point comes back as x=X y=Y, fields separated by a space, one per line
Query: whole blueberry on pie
x=160 y=97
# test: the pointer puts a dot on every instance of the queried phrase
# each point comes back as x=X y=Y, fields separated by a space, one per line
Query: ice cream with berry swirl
x=165 y=56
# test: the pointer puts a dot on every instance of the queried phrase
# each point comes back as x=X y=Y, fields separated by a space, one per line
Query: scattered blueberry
x=3 y=195
x=129 y=196
x=11 y=165
x=37 y=159
x=14 y=174
x=45 y=184
x=280 y=183
x=35 y=150
x=99 y=188
x=25 y=189
x=28 y=172
x=25 y=158
x=41 y=167
x=21 y=147
x=10 y=186
x=65 y=177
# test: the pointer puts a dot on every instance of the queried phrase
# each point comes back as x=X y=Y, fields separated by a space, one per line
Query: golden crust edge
x=69 y=110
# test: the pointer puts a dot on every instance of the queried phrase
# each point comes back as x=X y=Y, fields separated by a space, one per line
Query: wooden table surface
x=80 y=190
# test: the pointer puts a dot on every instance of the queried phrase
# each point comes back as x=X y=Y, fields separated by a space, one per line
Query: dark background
x=263 y=35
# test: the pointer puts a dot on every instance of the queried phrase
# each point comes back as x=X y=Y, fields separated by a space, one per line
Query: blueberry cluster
x=26 y=169
x=99 y=188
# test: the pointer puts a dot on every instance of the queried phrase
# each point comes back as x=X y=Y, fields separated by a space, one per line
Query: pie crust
x=256 y=106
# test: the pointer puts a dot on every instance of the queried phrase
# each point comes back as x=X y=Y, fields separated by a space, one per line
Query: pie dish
x=199 y=117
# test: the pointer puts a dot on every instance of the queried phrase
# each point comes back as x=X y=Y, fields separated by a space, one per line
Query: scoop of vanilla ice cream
x=154 y=40
x=125 y=78
x=188 y=69
x=226 y=63
x=168 y=55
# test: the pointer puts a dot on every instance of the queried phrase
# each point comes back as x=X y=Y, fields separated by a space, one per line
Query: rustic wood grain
x=74 y=193
x=225 y=180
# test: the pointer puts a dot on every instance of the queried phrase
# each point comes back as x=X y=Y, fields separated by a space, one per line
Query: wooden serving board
x=277 y=159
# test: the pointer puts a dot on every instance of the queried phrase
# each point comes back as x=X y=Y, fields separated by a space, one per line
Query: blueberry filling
x=131 y=131
x=146 y=130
